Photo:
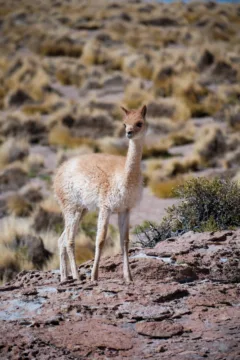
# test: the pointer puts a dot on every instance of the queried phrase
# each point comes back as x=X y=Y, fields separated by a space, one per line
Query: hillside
x=65 y=69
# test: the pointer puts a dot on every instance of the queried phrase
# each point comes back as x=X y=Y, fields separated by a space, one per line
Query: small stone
x=53 y=321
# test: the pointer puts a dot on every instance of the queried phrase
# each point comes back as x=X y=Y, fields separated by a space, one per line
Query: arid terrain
x=66 y=67
x=183 y=304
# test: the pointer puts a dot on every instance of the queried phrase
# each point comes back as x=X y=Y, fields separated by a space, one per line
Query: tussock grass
x=177 y=166
x=170 y=107
x=156 y=150
x=18 y=206
x=61 y=136
x=135 y=95
x=61 y=47
x=112 y=146
x=13 y=150
x=12 y=226
x=210 y=142
x=138 y=65
x=182 y=137
x=35 y=163
x=166 y=189
x=50 y=104
x=28 y=72
x=50 y=204
x=71 y=74
x=93 y=53
x=232 y=115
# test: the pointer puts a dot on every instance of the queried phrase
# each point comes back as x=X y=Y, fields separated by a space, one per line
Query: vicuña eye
x=139 y=124
x=124 y=125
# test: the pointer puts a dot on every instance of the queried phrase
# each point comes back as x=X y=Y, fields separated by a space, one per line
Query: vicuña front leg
x=123 y=223
x=103 y=220
x=71 y=227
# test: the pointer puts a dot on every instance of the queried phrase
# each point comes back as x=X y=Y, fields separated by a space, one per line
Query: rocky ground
x=66 y=67
x=183 y=304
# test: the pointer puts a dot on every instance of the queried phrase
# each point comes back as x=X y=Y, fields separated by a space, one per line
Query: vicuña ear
x=125 y=110
x=143 y=111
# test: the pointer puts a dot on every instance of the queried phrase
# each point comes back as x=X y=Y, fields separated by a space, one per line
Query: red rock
x=101 y=320
x=162 y=329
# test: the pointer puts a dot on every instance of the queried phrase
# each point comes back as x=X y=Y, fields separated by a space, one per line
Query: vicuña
x=112 y=184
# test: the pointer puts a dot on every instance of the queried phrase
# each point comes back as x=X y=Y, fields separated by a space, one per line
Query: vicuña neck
x=133 y=162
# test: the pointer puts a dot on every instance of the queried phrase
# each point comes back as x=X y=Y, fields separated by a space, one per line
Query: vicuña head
x=134 y=123
x=112 y=184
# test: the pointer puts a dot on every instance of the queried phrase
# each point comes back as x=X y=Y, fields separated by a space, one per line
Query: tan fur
x=112 y=184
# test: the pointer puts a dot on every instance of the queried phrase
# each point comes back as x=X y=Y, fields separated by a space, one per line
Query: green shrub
x=147 y=234
x=207 y=205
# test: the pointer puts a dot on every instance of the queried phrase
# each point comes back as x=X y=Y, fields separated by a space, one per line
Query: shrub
x=147 y=234
x=207 y=205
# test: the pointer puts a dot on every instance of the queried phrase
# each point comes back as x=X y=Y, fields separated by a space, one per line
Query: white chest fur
x=122 y=198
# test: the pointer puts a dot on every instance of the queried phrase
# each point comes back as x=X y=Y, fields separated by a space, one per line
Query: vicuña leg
x=63 y=256
x=123 y=223
x=71 y=227
x=103 y=220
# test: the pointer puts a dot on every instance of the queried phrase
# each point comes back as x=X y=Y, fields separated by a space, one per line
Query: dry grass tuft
x=171 y=107
x=13 y=150
x=138 y=66
x=61 y=136
x=8 y=264
x=112 y=146
x=49 y=104
x=182 y=137
x=135 y=95
x=61 y=47
x=210 y=143
x=18 y=206
x=165 y=189
x=93 y=53
x=28 y=72
x=232 y=115
x=174 y=167
x=12 y=226
x=50 y=204
x=35 y=163
x=156 y=150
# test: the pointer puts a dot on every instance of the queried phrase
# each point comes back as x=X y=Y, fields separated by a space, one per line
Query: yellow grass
x=176 y=166
x=12 y=226
x=165 y=189
x=11 y=150
x=18 y=206
x=135 y=96
x=112 y=146
x=60 y=135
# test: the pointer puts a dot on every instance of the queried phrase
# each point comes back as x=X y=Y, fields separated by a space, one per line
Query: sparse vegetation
x=63 y=79
x=166 y=188
x=206 y=205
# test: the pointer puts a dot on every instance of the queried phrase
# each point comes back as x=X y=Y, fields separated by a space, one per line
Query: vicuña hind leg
x=71 y=227
x=63 y=256
x=103 y=220
x=123 y=223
